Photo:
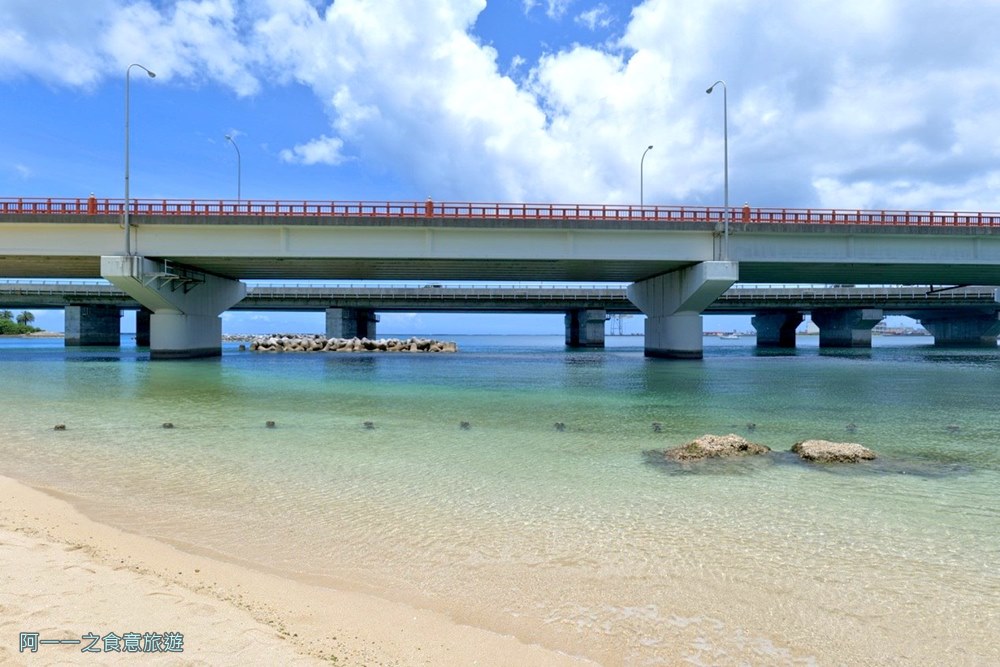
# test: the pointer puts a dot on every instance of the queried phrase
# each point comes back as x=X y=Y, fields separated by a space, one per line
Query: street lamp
x=239 y=168
x=128 y=229
x=725 y=140
x=641 y=161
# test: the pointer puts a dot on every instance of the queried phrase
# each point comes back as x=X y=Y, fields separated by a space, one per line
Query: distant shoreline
x=37 y=334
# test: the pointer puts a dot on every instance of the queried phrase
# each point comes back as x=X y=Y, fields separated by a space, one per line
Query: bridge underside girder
x=586 y=271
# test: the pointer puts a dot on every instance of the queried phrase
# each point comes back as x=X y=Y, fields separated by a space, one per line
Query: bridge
x=184 y=260
x=768 y=304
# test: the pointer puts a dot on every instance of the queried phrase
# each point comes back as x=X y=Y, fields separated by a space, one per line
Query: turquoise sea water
x=584 y=539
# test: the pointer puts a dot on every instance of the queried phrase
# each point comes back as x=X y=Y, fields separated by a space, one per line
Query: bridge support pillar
x=92 y=325
x=967 y=330
x=351 y=323
x=846 y=327
x=776 y=329
x=673 y=303
x=185 y=303
x=585 y=327
x=142 y=326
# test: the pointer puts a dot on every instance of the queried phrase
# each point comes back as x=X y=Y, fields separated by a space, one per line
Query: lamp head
x=710 y=89
x=152 y=75
x=649 y=148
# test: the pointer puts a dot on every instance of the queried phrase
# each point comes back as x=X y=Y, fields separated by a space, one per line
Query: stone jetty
x=318 y=343
x=715 y=446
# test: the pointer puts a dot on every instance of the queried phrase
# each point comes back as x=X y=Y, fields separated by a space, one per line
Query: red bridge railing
x=455 y=210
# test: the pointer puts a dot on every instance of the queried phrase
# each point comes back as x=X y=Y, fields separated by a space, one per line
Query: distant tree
x=8 y=327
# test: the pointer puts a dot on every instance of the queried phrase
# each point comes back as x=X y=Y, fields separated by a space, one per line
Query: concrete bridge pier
x=585 y=327
x=846 y=327
x=776 y=329
x=964 y=330
x=142 y=326
x=185 y=304
x=92 y=325
x=351 y=323
x=673 y=303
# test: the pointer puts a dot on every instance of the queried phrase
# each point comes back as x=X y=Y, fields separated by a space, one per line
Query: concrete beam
x=585 y=327
x=351 y=323
x=776 y=329
x=673 y=303
x=970 y=330
x=92 y=325
x=186 y=304
x=846 y=327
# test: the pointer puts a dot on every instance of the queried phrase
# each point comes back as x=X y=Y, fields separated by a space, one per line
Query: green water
x=584 y=539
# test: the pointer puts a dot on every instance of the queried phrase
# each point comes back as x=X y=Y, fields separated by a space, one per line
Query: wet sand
x=64 y=576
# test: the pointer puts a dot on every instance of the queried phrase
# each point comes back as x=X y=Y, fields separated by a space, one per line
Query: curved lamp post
x=641 y=161
x=239 y=169
x=725 y=140
x=128 y=228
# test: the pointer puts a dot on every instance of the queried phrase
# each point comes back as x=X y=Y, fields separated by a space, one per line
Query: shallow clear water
x=585 y=539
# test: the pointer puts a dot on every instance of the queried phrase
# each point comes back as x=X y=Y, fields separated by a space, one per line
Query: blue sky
x=846 y=104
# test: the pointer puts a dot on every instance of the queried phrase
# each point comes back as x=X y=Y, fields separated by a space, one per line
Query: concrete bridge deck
x=65 y=238
x=512 y=298
x=183 y=260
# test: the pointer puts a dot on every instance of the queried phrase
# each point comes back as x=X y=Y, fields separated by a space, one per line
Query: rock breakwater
x=318 y=343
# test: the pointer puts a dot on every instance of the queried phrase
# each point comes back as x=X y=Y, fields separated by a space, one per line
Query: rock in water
x=824 y=451
x=715 y=446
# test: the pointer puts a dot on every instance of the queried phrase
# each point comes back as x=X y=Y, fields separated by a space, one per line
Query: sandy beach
x=67 y=577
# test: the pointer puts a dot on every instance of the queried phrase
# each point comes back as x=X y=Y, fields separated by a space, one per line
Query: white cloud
x=324 y=150
x=195 y=40
x=595 y=17
x=23 y=171
x=80 y=43
x=554 y=9
x=54 y=40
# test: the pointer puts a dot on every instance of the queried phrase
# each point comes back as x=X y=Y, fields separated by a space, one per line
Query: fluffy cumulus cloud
x=324 y=150
x=839 y=103
x=81 y=43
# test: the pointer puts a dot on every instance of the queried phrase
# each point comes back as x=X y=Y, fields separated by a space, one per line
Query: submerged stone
x=715 y=446
x=824 y=451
